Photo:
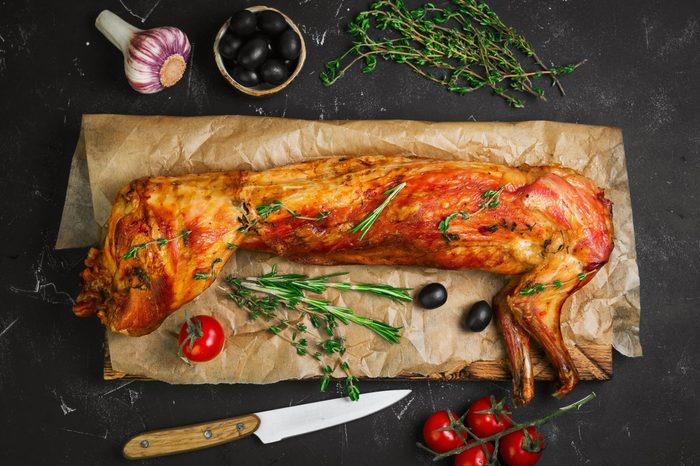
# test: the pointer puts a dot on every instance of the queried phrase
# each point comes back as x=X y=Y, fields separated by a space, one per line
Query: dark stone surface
x=54 y=66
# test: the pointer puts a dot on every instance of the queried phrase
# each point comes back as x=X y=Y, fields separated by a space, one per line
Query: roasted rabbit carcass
x=548 y=227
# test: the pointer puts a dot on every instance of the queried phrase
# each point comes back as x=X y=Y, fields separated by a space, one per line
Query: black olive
x=291 y=65
x=271 y=22
x=244 y=77
x=253 y=53
x=229 y=45
x=263 y=36
x=273 y=71
x=479 y=316
x=243 y=23
x=432 y=296
x=289 y=45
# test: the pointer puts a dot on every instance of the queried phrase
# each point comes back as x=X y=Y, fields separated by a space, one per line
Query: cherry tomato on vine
x=201 y=339
x=440 y=440
x=522 y=448
x=474 y=456
x=487 y=417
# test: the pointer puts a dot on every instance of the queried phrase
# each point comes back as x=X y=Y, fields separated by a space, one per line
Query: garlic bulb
x=153 y=59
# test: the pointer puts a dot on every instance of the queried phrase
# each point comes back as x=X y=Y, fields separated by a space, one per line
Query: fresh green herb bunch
x=463 y=47
x=267 y=294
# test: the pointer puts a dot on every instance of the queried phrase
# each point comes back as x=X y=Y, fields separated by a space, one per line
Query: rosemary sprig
x=467 y=436
x=491 y=200
x=462 y=47
x=264 y=211
x=534 y=288
x=133 y=252
x=369 y=220
x=320 y=284
x=265 y=294
x=210 y=274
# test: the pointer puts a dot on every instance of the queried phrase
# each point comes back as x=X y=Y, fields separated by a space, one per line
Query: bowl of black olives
x=259 y=50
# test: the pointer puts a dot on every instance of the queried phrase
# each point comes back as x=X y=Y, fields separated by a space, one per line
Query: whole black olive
x=273 y=71
x=244 y=77
x=289 y=45
x=271 y=22
x=263 y=36
x=479 y=316
x=432 y=296
x=253 y=53
x=229 y=46
x=243 y=23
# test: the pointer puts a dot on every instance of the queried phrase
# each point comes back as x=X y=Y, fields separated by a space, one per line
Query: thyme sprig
x=133 y=252
x=468 y=437
x=266 y=294
x=534 y=288
x=369 y=220
x=210 y=274
x=264 y=211
x=464 y=47
x=490 y=200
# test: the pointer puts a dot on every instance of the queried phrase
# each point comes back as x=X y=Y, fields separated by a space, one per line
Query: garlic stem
x=116 y=30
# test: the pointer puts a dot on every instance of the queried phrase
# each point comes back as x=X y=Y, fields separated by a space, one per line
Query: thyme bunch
x=265 y=295
x=462 y=47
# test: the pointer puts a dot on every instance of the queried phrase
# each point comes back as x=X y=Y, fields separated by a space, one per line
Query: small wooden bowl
x=263 y=88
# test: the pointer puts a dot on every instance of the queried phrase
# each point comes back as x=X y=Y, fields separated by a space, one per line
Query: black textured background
x=642 y=76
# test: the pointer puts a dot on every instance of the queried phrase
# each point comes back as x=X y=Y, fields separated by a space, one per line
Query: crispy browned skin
x=550 y=225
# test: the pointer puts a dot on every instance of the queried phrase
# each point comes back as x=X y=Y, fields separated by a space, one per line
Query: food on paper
x=548 y=226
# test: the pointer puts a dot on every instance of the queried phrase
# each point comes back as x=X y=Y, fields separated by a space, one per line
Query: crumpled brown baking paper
x=115 y=149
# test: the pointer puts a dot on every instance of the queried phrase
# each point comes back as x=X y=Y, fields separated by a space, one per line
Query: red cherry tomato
x=440 y=440
x=487 y=417
x=201 y=339
x=474 y=456
x=521 y=448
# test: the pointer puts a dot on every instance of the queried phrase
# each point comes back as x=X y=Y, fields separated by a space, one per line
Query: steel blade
x=278 y=424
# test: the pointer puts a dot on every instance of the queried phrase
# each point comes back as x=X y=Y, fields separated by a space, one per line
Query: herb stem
x=369 y=220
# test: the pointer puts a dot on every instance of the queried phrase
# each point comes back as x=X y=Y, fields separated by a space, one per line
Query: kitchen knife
x=268 y=426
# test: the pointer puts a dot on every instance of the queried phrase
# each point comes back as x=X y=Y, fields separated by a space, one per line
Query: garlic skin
x=153 y=59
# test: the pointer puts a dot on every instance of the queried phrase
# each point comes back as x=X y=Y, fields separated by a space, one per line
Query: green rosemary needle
x=369 y=220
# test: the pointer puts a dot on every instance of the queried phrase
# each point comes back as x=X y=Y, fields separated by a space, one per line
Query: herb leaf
x=369 y=220
x=133 y=252
x=462 y=47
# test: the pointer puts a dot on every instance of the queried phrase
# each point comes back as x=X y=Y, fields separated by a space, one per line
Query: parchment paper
x=115 y=149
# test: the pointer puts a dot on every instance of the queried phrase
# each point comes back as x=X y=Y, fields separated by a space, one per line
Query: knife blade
x=268 y=426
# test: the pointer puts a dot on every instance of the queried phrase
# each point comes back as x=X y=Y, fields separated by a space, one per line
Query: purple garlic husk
x=153 y=59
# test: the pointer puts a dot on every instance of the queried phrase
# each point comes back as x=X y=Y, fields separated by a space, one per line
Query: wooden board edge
x=594 y=362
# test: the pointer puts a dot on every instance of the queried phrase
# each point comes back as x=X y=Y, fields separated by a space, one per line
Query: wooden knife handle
x=190 y=438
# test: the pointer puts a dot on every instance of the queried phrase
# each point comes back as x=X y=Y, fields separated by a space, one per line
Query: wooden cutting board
x=594 y=362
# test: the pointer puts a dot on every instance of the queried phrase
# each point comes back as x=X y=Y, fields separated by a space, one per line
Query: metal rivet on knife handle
x=189 y=438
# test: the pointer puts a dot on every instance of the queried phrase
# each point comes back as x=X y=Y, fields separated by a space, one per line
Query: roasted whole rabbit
x=547 y=227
